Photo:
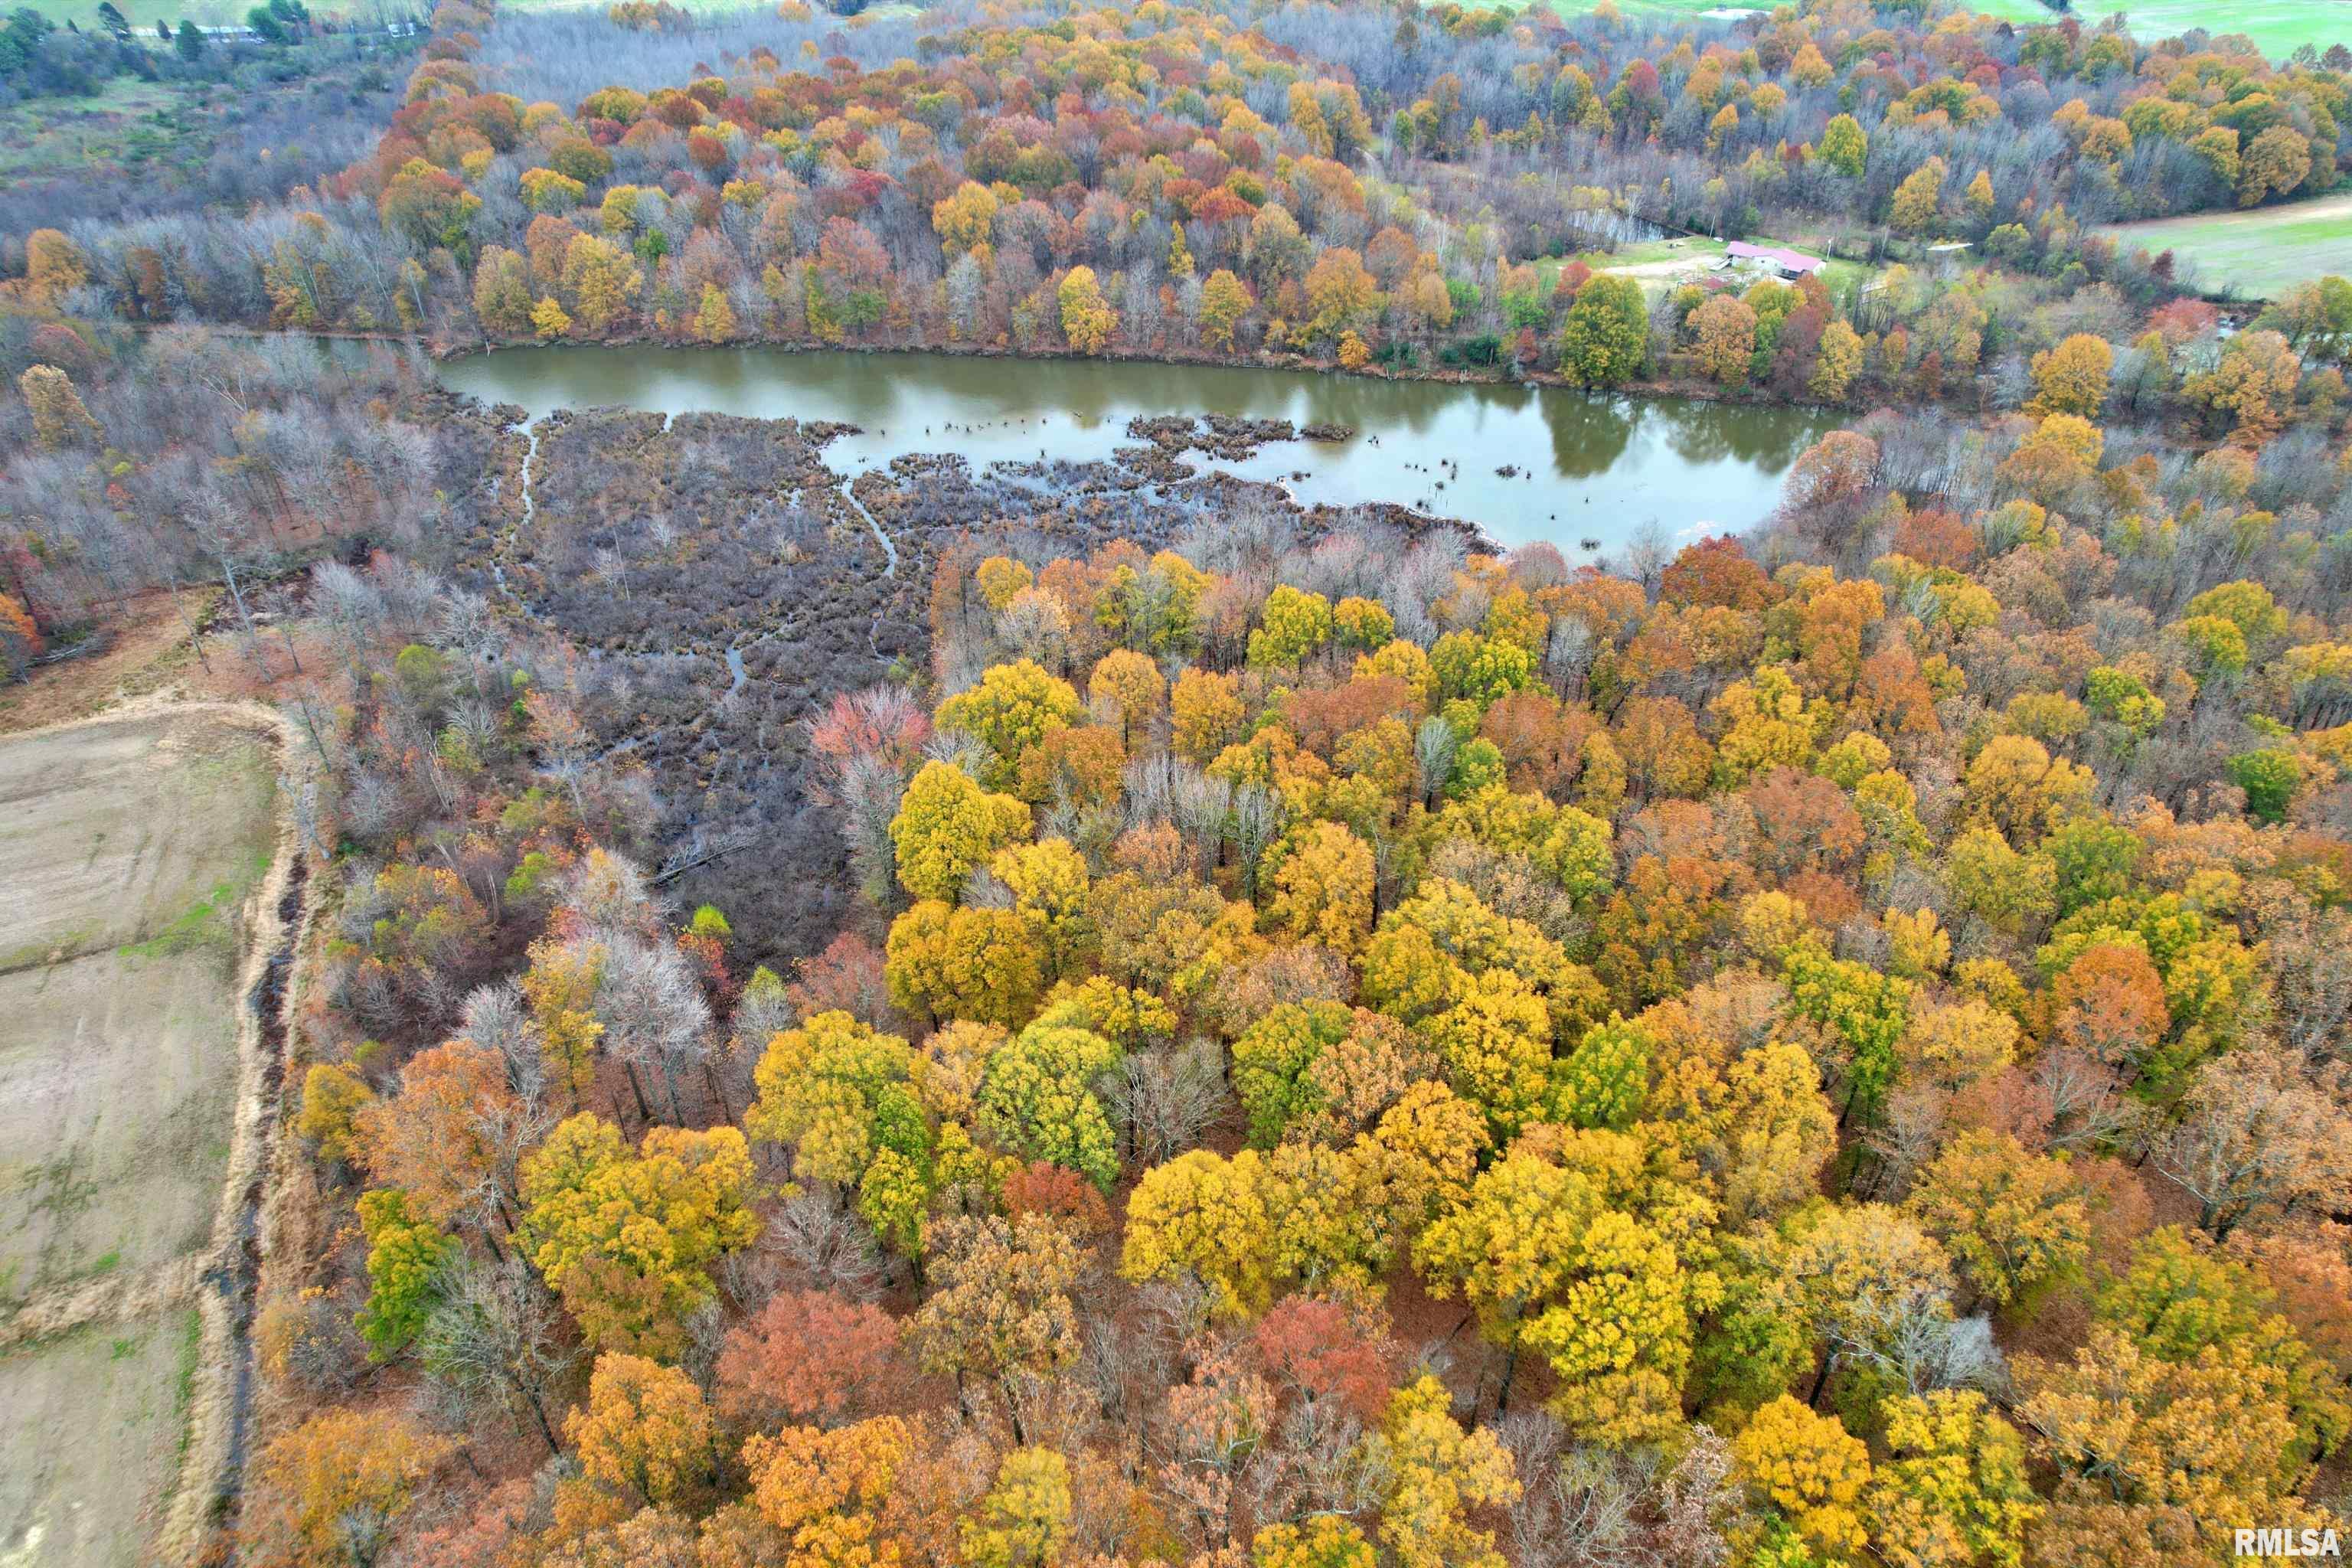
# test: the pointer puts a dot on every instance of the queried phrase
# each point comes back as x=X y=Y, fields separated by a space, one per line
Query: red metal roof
x=1793 y=260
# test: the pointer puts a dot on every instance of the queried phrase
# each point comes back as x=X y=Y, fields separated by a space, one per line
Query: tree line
x=1327 y=182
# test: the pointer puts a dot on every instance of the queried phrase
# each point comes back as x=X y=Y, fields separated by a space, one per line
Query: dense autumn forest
x=1355 y=185
x=1352 y=1050
x=937 y=1019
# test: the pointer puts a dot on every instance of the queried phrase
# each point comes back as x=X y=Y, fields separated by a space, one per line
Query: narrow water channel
x=1524 y=463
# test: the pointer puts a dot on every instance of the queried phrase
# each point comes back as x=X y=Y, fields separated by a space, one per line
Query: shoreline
x=1650 y=388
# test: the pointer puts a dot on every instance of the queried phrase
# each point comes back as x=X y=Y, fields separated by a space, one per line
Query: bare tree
x=495 y=1339
x=1162 y=1100
x=2257 y=1137
x=817 y=1243
x=1697 y=1504
x=1906 y=1136
x=869 y=788
x=1433 y=756
x=653 y=1014
x=1646 y=555
x=1255 y=820
x=1578 y=1506
x=2086 y=1112
x=1569 y=648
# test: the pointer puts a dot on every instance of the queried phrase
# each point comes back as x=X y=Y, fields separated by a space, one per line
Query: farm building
x=1785 y=263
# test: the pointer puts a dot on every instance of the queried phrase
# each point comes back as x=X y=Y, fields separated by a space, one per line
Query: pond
x=1583 y=468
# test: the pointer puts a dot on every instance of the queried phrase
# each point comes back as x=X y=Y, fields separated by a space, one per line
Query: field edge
x=221 y=1276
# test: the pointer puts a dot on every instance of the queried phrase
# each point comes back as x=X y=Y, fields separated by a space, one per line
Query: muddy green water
x=1598 y=469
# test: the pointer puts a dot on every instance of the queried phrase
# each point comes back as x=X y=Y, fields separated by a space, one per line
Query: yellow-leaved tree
x=1011 y=708
x=343 y=1474
x=1435 y=1474
x=1551 y=1268
x=627 y=1239
x=1087 y=320
x=1322 y=885
x=2072 y=378
x=645 y=1438
x=1205 y=1216
x=947 y=825
x=602 y=279
x=1023 y=1521
x=1954 y=1489
x=1810 y=1470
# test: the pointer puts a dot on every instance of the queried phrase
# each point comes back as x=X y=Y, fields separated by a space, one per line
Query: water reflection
x=1588 y=435
x=1615 y=466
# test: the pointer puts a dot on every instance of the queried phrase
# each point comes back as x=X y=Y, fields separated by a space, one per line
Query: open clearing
x=2259 y=252
x=1664 y=264
x=149 y=651
x=2278 y=27
x=94 y=1437
x=129 y=853
x=143 y=15
x=112 y=125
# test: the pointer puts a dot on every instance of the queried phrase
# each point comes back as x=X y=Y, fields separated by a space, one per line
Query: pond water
x=1586 y=468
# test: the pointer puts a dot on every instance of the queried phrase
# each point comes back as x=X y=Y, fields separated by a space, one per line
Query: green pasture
x=2277 y=26
x=1687 y=248
x=143 y=15
x=113 y=125
x=2258 y=254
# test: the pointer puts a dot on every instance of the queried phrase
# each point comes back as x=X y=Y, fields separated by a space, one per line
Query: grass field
x=2277 y=26
x=46 y=134
x=2258 y=254
x=1653 y=250
x=1661 y=264
x=94 y=1420
x=1730 y=9
x=128 y=851
x=144 y=15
